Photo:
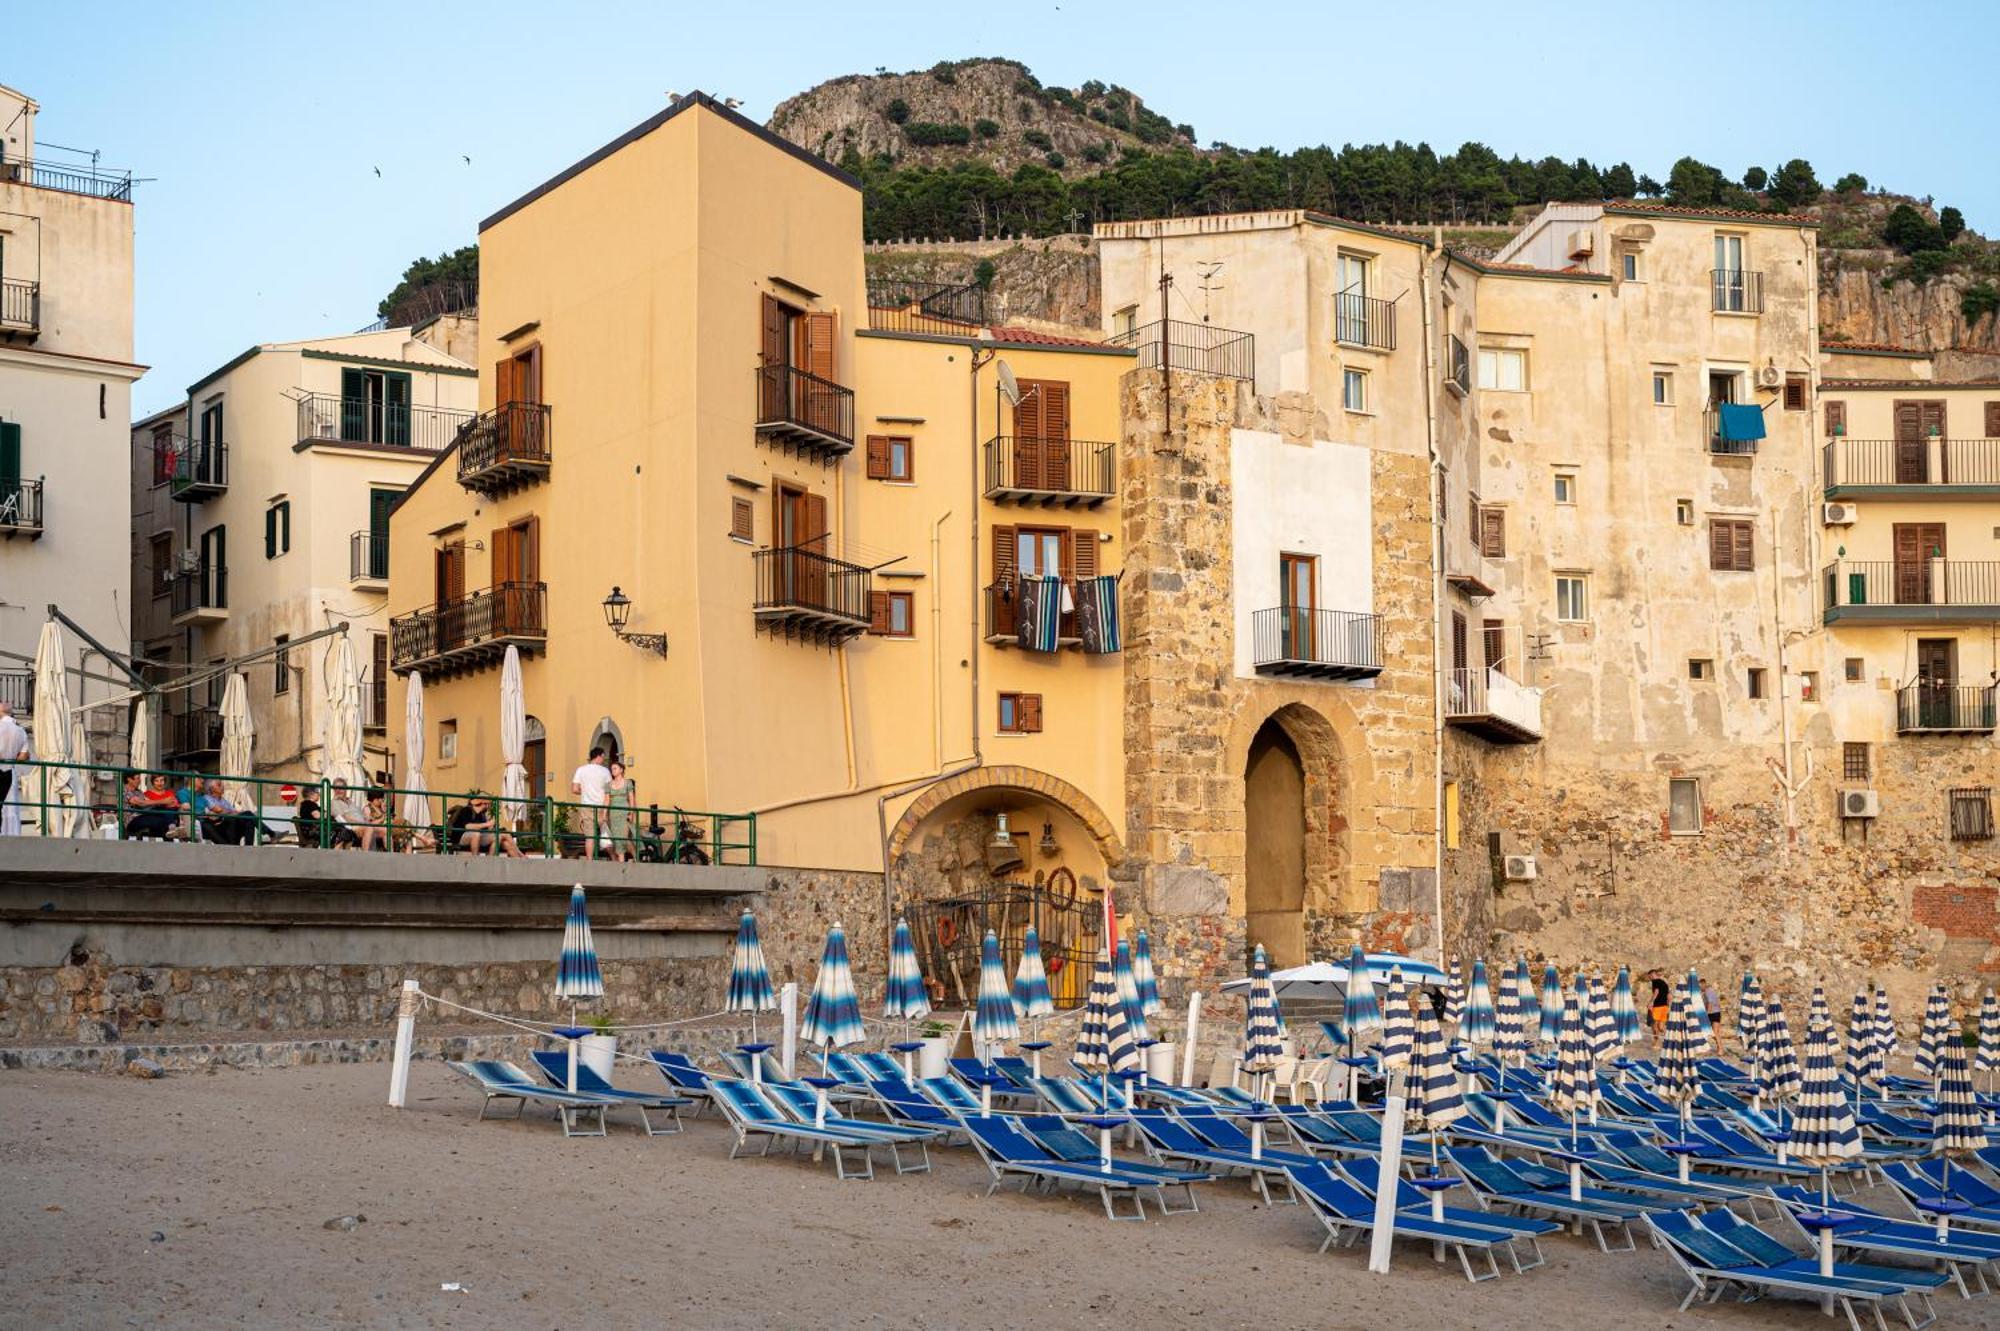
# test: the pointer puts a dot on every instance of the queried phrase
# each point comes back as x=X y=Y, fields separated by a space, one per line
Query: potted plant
x=599 y=1050
x=938 y=1038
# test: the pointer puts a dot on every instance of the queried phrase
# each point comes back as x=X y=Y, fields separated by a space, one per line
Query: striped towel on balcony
x=1038 y=617
x=1097 y=614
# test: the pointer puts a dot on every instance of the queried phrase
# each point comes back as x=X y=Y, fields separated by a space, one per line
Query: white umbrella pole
x=788 y=1010
x=406 y=1034
x=1383 y=1236
x=571 y=1042
x=1194 y=1031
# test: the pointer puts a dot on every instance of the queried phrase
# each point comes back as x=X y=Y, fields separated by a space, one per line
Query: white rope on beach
x=550 y=1028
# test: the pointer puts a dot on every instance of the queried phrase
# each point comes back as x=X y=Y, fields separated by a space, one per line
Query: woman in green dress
x=618 y=810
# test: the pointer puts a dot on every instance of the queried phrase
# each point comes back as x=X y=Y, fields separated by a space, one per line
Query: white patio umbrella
x=513 y=740
x=140 y=753
x=61 y=787
x=238 y=742
x=340 y=728
x=413 y=811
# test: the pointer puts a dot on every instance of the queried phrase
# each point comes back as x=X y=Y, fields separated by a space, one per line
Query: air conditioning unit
x=1860 y=804
x=1582 y=243
x=1837 y=515
x=1770 y=376
x=1519 y=868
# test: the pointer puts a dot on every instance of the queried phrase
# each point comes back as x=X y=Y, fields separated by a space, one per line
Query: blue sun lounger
x=503 y=1081
x=686 y=1079
x=1367 y=1175
x=1168 y=1138
x=1922 y=1181
x=1347 y=1213
x=904 y=1103
x=1738 y=1151
x=803 y=1105
x=1868 y=1231
x=1009 y=1152
x=972 y=1072
x=1631 y=1192
x=1315 y=1133
x=1494 y=1181
x=1066 y=1095
x=1770 y=1251
x=752 y=1115
x=554 y=1065
x=739 y=1063
x=1644 y=1155
x=1714 y=1267
x=1064 y=1142
x=951 y=1094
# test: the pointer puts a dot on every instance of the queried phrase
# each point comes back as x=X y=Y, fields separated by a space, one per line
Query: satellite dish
x=1009 y=388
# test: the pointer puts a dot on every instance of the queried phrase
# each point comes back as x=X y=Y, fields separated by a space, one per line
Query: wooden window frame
x=278 y=529
x=1740 y=556
x=882 y=614
x=1834 y=418
x=1753 y=681
x=1663 y=379
x=1027 y=713
x=1857 y=762
x=1582 y=581
x=1684 y=512
x=1565 y=489
x=881 y=458
x=1493 y=532
x=1854 y=669
x=163 y=568
x=1701 y=669
x=1798 y=392
x=1700 y=818
x=281 y=665
x=742 y=520
x=1500 y=354
x=1969 y=810
x=1357 y=378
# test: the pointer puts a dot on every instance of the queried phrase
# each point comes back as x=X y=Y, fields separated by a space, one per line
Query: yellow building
x=826 y=509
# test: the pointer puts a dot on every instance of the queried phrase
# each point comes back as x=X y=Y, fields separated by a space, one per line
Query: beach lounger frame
x=1316 y=1194
x=1709 y=1283
x=796 y=1100
x=1582 y=1215
x=569 y=1107
x=741 y=1112
x=1048 y=1174
x=553 y=1065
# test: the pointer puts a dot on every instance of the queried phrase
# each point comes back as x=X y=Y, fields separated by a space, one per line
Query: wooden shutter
x=1993 y=420
x=878 y=612
x=528 y=378
x=1028 y=713
x=1795 y=392
x=1731 y=545
x=878 y=457
x=505 y=387
x=816 y=569
x=772 y=347
x=527 y=550
x=741 y=520
x=816 y=345
x=815 y=523
x=1836 y=418
x=1493 y=636
x=1004 y=578
x=1029 y=430
x=396 y=409
x=500 y=556
x=1493 y=532
x=1472 y=512
x=271 y=532
x=1085 y=553
x=1458 y=652
x=1055 y=434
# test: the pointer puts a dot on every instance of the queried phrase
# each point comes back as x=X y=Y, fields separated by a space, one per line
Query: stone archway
x=1331 y=757
x=1054 y=788
x=1274 y=850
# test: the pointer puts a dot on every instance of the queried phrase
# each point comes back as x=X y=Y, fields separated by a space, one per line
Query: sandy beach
x=202 y=1200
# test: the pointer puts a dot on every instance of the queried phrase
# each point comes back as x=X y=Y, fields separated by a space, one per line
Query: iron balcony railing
x=1736 y=291
x=1003 y=613
x=331 y=418
x=1296 y=639
x=1487 y=700
x=504 y=447
x=17 y=690
x=200 y=468
x=1457 y=364
x=1944 y=707
x=1364 y=321
x=1711 y=430
x=1927 y=461
x=368 y=556
x=953 y=309
x=1193 y=348
x=20 y=305
x=477 y=624
x=1076 y=469
x=1912 y=582
x=790 y=400
x=195 y=730
x=205 y=586
x=70 y=180
x=793 y=578
x=21 y=507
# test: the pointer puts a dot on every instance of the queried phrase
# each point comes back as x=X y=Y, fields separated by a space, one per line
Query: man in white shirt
x=591 y=784
x=13 y=748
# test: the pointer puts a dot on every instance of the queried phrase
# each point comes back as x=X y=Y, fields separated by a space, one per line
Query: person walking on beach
x=591 y=784
x=13 y=748
x=1711 y=1003
x=1657 y=1005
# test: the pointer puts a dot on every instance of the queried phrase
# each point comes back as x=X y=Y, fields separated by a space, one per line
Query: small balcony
x=200 y=470
x=87 y=181
x=1192 y=348
x=1486 y=702
x=193 y=735
x=1912 y=591
x=1924 y=468
x=20 y=309
x=1052 y=473
x=328 y=418
x=470 y=632
x=1315 y=644
x=505 y=449
x=200 y=595
x=1003 y=617
x=21 y=510
x=1717 y=445
x=1944 y=709
x=17 y=690
x=1736 y=291
x=1094 y=629
x=1364 y=321
x=804 y=413
x=368 y=560
x=811 y=596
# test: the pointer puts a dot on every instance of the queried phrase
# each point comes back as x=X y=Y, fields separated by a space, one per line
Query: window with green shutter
x=278 y=529
x=374 y=406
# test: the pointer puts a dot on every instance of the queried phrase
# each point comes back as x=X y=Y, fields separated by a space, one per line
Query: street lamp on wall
x=618 y=613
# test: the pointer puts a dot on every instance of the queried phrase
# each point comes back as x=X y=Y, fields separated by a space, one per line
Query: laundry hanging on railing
x=1739 y=422
x=1038 y=617
x=1097 y=614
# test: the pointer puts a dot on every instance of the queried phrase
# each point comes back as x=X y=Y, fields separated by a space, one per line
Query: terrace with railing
x=368 y=557
x=1925 y=468
x=1944 y=709
x=17 y=690
x=803 y=412
x=1736 y=291
x=1315 y=644
x=1191 y=348
x=78 y=179
x=21 y=509
x=1485 y=701
x=20 y=309
x=1713 y=441
x=504 y=449
x=199 y=595
x=191 y=733
x=1063 y=472
x=328 y=418
x=1912 y=591
x=946 y=309
x=1457 y=365
x=199 y=469
x=471 y=631
x=810 y=595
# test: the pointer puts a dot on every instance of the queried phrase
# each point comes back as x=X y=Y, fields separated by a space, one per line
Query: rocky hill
x=991 y=111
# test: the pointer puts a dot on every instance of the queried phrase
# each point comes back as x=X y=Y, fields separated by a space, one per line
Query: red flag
x=1110 y=926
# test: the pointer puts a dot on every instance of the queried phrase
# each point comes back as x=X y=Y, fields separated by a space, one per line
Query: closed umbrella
x=1435 y=1099
x=1262 y=1046
x=414 y=811
x=1510 y=1038
x=750 y=988
x=994 y=1020
x=833 y=1015
x=1531 y=1009
x=1599 y=1025
x=1454 y=993
x=1779 y=1062
x=1478 y=1026
x=60 y=791
x=1702 y=1028
x=340 y=720
x=1360 y=1014
x=1399 y=1025
x=1750 y=1028
x=1143 y=976
x=239 y=741
x=1931 y=1036
x=1105 y=1042
x=1575 y=1089
x=1823 y=1129
x=513 y=741
x=1885 y=1029
x=1820 y=1010
x=1679 y=1080
x=1864 y=1054
x=139 y=754
x=904 y=997
x=1957 y=1128
x=1549 y=1033
x=1128 y=992
x=577 y=973
x=1624 y=1010
x=1031 y=990
x=1989 y=1037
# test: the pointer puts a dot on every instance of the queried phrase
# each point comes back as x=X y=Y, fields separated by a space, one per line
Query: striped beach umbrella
x=1958 y=1126
x=1679 y=1079
x=577 y=975
x=994 y=1020
x=1778 y=1062
x=1698 y=1023
x=1477 y=1028
x=1989 y=1036
x=1933 y=1033
x=1031 y=981
x=749 y=977
x=1128 y=990
x=1823 y=1128
x=1399 y=1024
x=1885 y=1026
x=833 y=1014
x=1550 y=1032
x=1575 y=1088
x=1361 y=1016
x=1750 y=1014
x=1624 y=1010
x=1142 y=974
x=1261 y=1043
x=1435 y=1100
x=1599 y=1027
x=1510 y=1026
x=904 y=997
x=1105 y=1042
x=1820 y=1011
x=1454 y=993
x=1524 y=995
x=1864 y=1055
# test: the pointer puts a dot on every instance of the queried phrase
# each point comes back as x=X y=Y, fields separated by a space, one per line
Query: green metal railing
x=544 y=828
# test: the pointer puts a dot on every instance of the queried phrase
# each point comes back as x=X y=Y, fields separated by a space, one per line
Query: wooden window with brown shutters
x=448 y=576
x=742 y=520
x=1797 y=388
x=1993 y=420
x=1020 y=713
x=1493 y=532
x=1916 y=424
x=892 y=614
x=1458 y=641
x=1493 y=641
x=1004 y=589
x=1731 y=545
x=1472 y=514
x=1836 y=418
x=517 y=552
x=816 y=400
x=1041 y=436
x=890 y=458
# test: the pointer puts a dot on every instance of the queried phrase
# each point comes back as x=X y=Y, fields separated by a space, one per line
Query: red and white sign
x=288 y=794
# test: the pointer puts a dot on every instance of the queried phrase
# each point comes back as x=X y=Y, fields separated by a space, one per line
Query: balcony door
x=379 y=504
x=1041 y=435
x=1916 y=422
x=1916 y=544
x=1298 y=597
x=448 y=585
x=1729 y=278
x=1353 y=285
x=799 y=528
x=374 y=406
x=1937 y=675
x=10 y=472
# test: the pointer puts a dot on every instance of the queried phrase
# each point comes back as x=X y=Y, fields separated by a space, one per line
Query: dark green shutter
x=271 y=533
x=379 y=504
x=10 y=459
x=285 y=527
x=353 y=405
x=396 y=409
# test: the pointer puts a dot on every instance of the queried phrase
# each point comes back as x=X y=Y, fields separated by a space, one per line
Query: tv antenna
x=1206 y=271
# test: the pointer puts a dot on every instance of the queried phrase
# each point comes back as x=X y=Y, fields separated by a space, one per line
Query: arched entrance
x=1274 y=798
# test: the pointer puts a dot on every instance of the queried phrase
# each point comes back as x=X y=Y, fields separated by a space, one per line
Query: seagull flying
x=378 y=173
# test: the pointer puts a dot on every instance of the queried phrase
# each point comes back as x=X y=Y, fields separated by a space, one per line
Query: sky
x=259 y=129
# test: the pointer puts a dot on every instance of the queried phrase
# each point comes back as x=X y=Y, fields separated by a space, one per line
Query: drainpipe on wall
x=1437 y=609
